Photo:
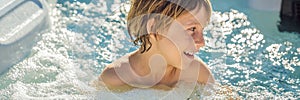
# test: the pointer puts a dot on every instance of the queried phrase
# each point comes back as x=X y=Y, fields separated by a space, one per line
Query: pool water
x=243 y=49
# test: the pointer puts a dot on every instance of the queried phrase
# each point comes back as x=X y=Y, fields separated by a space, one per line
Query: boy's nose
x=199 y=45
x=199 y=40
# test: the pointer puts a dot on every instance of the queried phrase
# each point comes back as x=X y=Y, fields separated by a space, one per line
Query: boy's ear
x=150 y=25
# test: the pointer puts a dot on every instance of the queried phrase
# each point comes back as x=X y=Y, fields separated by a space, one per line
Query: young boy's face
x=184 y=38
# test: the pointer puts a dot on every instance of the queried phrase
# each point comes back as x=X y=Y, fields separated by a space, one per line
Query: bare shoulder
x=109 y=76
x=205 y=75
x=199 y=71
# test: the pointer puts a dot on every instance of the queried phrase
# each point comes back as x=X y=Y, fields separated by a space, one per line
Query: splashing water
x=239 y=56
x=86 y=36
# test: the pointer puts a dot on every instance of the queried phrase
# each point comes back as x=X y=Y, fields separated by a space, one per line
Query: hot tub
x=21 y=21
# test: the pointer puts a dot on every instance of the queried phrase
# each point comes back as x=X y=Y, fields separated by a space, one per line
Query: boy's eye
x=192 y=30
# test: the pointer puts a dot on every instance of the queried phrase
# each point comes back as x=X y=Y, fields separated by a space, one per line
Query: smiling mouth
x=189 y=54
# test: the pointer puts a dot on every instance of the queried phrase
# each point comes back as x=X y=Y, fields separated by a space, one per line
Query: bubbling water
x=240 y=57
x=86 y=37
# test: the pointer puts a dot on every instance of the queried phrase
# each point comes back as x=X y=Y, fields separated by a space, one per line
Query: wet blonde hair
x=162 y=11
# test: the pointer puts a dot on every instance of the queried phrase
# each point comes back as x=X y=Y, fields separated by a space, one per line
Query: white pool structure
x=21 y=21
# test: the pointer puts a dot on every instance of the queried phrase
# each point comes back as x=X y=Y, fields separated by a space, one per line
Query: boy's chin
x=186 y=63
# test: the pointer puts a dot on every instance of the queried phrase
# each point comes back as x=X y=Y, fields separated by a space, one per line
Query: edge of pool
x=21 y=23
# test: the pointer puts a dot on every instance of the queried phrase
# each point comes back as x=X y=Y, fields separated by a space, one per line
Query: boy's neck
x=140 y=62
